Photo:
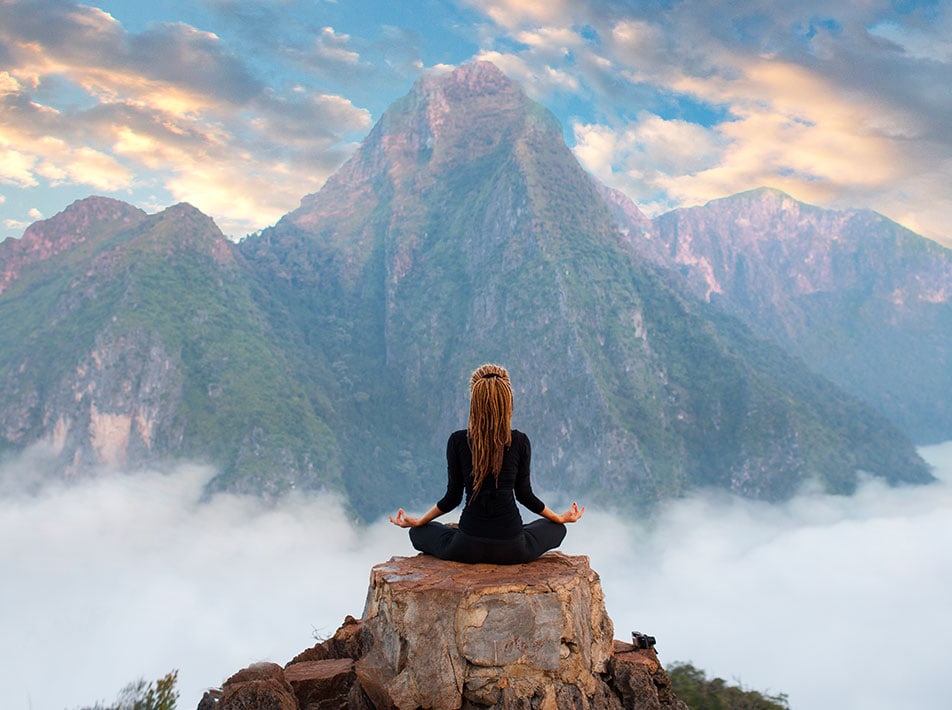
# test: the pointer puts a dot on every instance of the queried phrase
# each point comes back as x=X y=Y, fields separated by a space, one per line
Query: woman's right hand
x=573 y=514
x=569 y=516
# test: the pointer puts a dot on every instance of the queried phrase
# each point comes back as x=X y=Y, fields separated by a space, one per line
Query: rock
x=209 y=700
x=639 y=680
x=440 y=632
x=321 y=684
x=258 y=687
x=347 y=642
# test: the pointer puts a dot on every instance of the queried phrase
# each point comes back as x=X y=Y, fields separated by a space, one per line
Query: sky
x=242 y=107
x=839 y=602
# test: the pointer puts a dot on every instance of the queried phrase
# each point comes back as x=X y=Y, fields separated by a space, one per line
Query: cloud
x=838 y=105
x=332 y=46
x=516 y=14
x=836 y=601
x=85 y=102
x=641 y=158
x=130 y=576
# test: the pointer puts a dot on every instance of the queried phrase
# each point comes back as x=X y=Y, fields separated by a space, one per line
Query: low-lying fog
x=838 y=602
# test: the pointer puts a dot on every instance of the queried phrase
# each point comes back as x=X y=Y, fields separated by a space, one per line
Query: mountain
x=332 y=351
x=860 y=299
x=463 y=230
x=128 y=339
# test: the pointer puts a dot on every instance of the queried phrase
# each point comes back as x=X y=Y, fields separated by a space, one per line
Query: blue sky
x=242 y=107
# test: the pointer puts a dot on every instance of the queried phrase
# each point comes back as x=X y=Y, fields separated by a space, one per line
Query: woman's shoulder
x=519 y=437
x=458 y=436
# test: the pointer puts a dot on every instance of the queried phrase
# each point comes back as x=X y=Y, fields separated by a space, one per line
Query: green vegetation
x=692 y=687
x=140 y=695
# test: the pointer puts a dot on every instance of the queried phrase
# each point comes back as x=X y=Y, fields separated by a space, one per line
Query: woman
x=490 y=461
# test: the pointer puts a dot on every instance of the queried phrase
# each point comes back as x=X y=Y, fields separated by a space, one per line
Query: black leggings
x=450 y=543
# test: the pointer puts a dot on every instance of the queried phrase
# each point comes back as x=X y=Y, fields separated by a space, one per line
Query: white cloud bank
x=838 y=602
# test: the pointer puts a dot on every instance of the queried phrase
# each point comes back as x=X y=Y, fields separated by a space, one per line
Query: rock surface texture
x=439 y=634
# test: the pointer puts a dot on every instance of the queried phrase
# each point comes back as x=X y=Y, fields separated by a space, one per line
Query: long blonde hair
x=490 y=421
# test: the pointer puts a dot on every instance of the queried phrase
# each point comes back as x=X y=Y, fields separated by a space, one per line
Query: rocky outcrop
x=442 y=633
x=445 y=635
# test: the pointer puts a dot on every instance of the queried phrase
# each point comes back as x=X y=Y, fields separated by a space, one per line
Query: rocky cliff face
x=445 y=635
x=860 y=299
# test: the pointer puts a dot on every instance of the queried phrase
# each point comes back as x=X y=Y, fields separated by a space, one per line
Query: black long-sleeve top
x=492 y=513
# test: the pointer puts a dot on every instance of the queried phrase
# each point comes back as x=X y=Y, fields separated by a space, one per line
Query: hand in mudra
x=404 y=520
x=573 y=513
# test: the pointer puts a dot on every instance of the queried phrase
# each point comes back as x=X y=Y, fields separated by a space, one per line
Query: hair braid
x=490 y=421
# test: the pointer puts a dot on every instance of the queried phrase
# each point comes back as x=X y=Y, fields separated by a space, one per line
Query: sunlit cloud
x=85 y=166
x=795 y=98
x=16 y=167
x=516 y=14
x=244 y=200
x=196 y=124
x=640 y=159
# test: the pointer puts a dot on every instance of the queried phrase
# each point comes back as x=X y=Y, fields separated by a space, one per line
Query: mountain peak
x=189 y=213
x=80 y=218
x=87 y=218
x=765 y=197
x=440 y=101
x=185 y=227
x=478 y=78
x=448 y=119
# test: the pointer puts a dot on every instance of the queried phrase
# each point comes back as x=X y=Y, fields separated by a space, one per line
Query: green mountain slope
x=142 y=342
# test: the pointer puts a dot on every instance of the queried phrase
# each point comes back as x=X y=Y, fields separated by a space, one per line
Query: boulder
x=258 y=687
x=639 y=681
x=321 y=683
x=438 y=633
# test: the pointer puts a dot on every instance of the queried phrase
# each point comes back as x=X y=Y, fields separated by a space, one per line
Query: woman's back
x=492 y=512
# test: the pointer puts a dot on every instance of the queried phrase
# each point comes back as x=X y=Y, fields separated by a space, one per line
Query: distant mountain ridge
x=332 y=350
x=862 y=300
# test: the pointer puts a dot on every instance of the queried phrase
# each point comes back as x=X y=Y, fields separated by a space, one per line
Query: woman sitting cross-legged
x=490 y=462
